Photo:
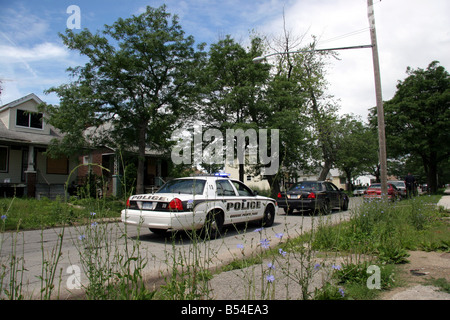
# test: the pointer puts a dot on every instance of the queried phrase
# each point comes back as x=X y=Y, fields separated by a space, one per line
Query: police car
x=204 y=203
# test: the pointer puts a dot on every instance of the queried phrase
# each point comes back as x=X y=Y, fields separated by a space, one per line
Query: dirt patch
x=418 y=274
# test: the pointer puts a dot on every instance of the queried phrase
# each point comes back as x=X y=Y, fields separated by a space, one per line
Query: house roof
x=25 y=137
x=94 y=134
x=16 y=102
x=39 y=138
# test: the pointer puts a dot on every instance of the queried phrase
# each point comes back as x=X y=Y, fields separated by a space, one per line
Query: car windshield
x=306 y=185
x=397 y=183
x=186 y=186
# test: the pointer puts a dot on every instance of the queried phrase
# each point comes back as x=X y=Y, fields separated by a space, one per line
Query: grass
x=388 y=229
x=32 y=214
x=384 y=231
x=442 y=284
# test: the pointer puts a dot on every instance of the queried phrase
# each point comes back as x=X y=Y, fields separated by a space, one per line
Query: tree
x=139 y=79
x=357 y=149
x=418 y=117
x=233 y=85
x=305 y=113
x=287 y=111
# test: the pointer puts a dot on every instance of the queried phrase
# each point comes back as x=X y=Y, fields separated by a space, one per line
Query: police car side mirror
x=255 y=193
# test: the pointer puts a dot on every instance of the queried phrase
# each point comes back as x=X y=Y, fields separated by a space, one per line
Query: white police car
x=206 y=203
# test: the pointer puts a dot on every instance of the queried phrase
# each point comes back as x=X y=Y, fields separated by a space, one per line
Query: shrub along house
x=25 y=170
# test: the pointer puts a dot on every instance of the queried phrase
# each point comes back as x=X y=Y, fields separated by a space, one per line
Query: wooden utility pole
x=380 y=111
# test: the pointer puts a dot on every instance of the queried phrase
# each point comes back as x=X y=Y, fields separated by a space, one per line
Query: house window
x=57 y=166
x=3 y=159
x=29 y=119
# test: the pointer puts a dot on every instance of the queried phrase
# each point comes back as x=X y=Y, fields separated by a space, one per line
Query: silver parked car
x=359 y=191
x=401 y=187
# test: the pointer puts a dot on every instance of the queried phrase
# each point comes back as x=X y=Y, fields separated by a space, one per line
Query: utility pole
x=379 y=96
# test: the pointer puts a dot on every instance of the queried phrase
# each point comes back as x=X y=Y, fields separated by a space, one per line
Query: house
x=334 y=176
x=25 y=170
x=253 y=181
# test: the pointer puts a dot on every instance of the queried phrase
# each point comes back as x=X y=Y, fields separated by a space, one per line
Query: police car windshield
x=185 y=186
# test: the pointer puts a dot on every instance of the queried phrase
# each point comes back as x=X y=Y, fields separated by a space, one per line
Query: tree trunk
x=348 y=174
x=326 y=168
x=141 y=158
x=241 y=172
x=432 y=173
x=274 y=182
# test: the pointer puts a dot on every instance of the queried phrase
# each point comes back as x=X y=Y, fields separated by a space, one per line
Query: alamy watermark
x=251 y=147
x=374 y=281
x=74 y=20
x=74 y=280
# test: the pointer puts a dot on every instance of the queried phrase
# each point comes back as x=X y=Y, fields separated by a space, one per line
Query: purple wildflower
x=283 y=253
x=264 y=243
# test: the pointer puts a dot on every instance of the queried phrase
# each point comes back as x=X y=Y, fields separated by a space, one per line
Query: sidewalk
x=445 y=200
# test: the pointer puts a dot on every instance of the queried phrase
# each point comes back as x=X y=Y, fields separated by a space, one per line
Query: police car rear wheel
x=213 y=225
x=158 y=231
x=269 y=216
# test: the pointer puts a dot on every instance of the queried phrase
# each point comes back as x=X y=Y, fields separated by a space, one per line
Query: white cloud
x=42 y=51
x=409 y=32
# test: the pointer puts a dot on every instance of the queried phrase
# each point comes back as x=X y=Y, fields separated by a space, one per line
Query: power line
x=346 y=35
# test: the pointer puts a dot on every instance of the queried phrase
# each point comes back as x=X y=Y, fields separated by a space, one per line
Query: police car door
x=333 y=193
x=248 y=205
x=226 y=193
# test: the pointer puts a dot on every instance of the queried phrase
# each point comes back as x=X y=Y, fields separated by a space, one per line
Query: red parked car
x=374 y=192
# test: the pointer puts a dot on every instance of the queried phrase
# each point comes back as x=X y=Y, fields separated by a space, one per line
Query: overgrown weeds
x=384 y=231
x=377 y=237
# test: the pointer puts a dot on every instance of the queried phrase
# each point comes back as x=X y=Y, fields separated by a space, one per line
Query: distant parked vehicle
x=374 y=192
x=424 y=187
x=401 y=187
x=315 y=196
x=359 y=191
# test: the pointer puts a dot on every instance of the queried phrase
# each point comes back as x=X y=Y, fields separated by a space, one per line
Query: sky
x=410 y=33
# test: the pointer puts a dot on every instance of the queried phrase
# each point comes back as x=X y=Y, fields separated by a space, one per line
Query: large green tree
x=418 y=119
x=139 y=79
x=233 y=87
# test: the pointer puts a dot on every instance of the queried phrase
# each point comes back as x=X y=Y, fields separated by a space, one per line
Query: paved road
x=36 y=246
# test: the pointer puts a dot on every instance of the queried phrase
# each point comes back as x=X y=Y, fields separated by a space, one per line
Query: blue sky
x=410 y=33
